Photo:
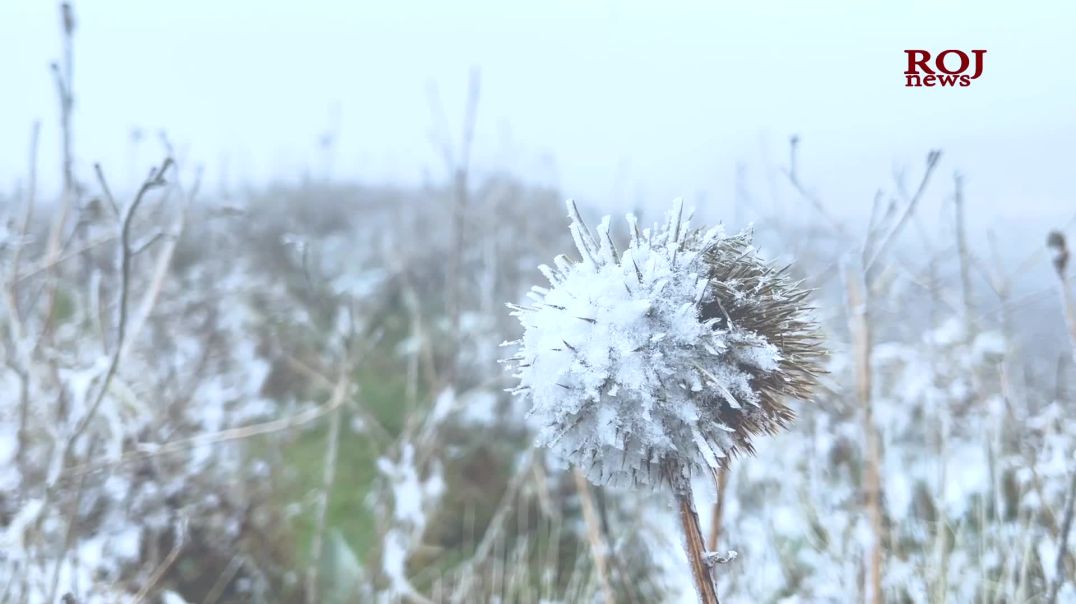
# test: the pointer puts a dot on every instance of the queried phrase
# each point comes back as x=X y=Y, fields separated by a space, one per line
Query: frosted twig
x=153 y=181
x=52 y=262
x=164 y=262
x=932 y=162
x=792 y=173
x=148 y=451
x=179 y=540
x=223 y=580
x=18 y=332
x=964 y=256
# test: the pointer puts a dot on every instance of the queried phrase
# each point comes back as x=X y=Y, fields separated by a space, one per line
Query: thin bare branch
x=153 y=181
x=932 y=162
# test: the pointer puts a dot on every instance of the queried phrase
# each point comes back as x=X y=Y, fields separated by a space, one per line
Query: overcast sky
x=613 y=102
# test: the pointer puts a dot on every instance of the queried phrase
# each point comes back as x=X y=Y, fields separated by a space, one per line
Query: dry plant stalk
x=155 y=180
x=964 y=256
x=859 y=325
x=458 y=163
x=63 y=74
x=146 y=451
x=696 y=549
x=179 y=542
x=1057 y=244
x=11 y=298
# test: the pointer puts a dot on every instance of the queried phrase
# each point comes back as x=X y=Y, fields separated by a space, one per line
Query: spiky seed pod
x=650 y=365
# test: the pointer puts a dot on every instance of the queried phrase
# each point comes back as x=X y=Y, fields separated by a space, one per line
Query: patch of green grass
x=63 y=307
x=355 y=471
x=381 y=378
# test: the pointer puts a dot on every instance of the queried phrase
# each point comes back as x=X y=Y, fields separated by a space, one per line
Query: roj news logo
x=947 y=68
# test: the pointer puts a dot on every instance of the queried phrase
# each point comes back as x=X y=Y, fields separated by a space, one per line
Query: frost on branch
x=652 y=364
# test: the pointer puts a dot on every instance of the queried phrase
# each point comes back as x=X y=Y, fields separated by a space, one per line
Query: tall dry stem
x=859 y=325
x=1056 y=241
x=63 y=75
x=965 y=261
x=18 y=331
x=458 y=163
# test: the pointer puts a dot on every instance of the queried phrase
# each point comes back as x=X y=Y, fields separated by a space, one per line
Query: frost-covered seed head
x=653 y=364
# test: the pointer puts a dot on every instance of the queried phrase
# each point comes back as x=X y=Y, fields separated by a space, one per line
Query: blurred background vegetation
x=292 y=393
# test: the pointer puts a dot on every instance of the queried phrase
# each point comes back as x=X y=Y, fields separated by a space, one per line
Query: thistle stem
x=695 y=546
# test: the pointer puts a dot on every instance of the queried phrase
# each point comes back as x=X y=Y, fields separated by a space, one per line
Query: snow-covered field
x=296 y=394
x=298 y=363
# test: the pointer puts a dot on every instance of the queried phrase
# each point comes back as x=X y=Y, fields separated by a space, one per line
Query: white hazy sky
x=608 y=100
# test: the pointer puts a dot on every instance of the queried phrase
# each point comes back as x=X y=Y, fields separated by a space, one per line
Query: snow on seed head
x=649 y=365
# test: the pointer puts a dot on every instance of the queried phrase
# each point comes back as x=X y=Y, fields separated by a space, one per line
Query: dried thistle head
x=653 y=364
x=1056 y=242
